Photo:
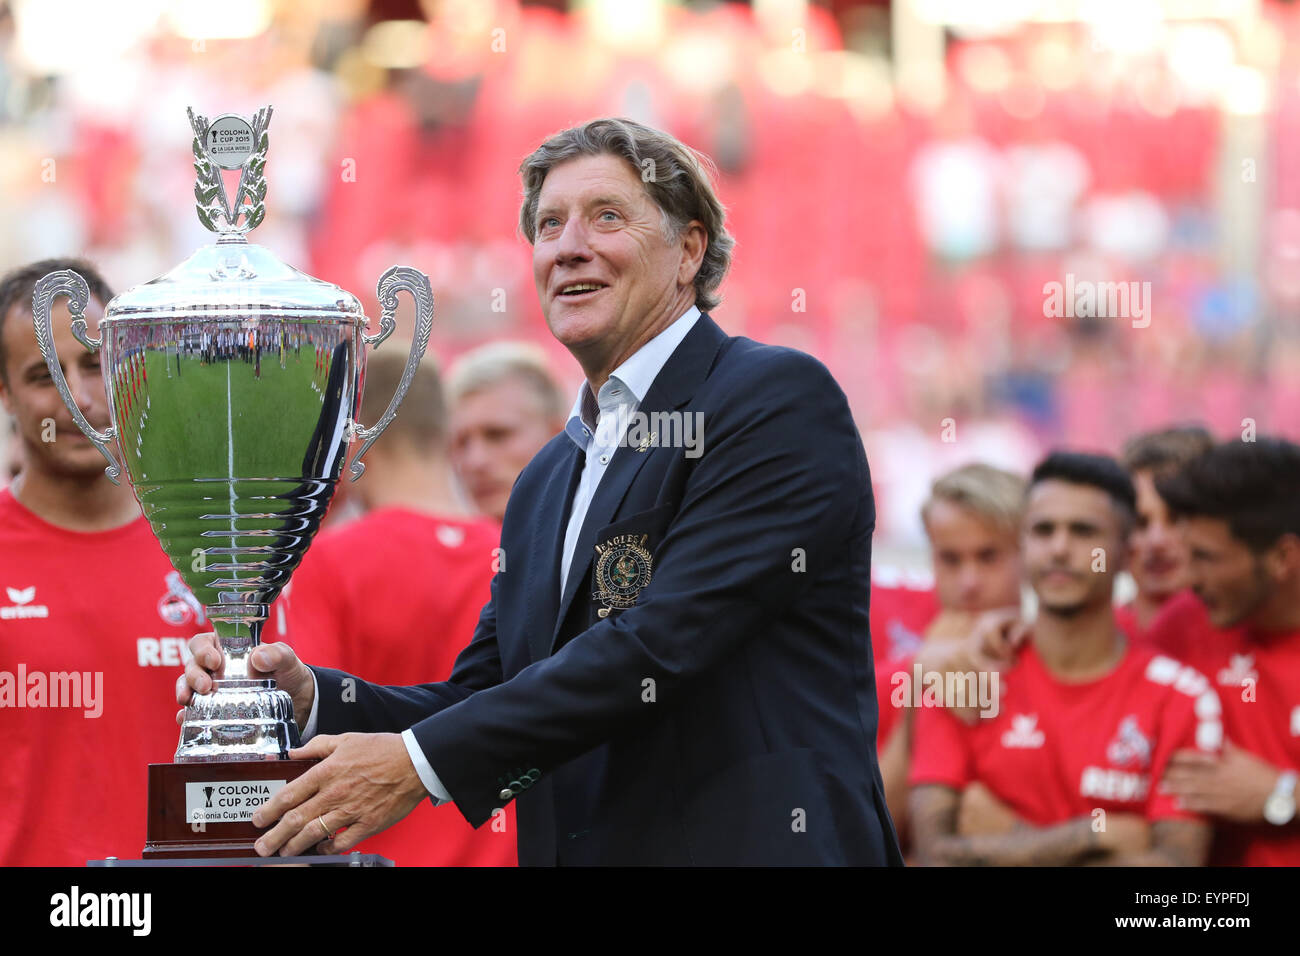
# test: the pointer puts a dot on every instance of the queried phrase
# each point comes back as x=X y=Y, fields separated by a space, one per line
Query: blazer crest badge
x=623 y=567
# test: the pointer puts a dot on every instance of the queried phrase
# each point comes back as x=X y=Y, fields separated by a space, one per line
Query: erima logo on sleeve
x=22 y=606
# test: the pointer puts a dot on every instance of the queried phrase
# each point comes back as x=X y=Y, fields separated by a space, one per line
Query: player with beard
x=87 y=591
x=1241 y=515
x=1064 y=770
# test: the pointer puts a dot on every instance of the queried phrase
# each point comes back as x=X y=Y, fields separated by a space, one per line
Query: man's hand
x=1233 y=785
x=275 y=661
x=990 y=645
x=948 y=624
x=366 y=783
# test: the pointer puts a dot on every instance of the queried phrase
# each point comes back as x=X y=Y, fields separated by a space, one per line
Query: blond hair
x=489 y=365
x=996 y=495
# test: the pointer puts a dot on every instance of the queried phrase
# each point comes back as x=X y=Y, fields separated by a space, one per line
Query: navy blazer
x=729 y=715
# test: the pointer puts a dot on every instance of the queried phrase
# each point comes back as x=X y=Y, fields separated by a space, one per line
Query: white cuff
x=437 y=792
x=309 y=731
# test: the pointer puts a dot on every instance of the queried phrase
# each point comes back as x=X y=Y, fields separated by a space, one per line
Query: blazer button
x=505 y=794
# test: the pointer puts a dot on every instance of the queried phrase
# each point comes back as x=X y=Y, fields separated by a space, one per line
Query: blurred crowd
x=902 y=225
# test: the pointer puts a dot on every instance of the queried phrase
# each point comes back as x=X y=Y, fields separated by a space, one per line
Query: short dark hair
x=1164 y=452
x=17 y=285
x=1095 y=471
x=1250 y=485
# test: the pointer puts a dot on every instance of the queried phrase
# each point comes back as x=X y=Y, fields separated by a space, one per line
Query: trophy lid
x=233 y=278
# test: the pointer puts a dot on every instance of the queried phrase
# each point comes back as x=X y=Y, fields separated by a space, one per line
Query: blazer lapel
x=548 y=543
x=674 y=386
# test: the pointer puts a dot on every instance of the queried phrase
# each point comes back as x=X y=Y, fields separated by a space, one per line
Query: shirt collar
x=634 y=376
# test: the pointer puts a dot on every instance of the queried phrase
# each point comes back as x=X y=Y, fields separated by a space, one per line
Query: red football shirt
x=1258 y=680
x=890 y=714
x=1057 y=750
x=394 y=597
x=900 y=616
x=1182 y=622
x=99 y=605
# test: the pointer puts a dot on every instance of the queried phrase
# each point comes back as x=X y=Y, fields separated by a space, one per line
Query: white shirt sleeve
x=309 y=730
x=437 y=792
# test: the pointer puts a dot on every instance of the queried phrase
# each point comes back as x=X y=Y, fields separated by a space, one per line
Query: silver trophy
x=234 y=382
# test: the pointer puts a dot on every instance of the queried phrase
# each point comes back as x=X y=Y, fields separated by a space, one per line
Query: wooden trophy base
x=205 y=809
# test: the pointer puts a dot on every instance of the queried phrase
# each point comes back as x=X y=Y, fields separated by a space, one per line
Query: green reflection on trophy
x=234 y=382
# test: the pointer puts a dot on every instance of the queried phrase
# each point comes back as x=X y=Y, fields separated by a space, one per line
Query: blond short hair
x=489 y=365
x=994 y=494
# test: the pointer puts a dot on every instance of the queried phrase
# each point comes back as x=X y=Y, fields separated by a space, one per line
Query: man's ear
x=1282 y=561
x=695 y=241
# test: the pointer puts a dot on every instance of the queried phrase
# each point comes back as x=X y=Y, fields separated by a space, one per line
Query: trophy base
x=204 y=809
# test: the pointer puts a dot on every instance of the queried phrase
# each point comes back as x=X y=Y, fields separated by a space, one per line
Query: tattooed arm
x=934 y=811
x=1173 y=843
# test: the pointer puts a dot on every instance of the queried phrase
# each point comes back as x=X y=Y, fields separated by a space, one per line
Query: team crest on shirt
x=1240 y=669
x=1130 y=747
x=178 y=606
x=623 y=567
x=1024 y=733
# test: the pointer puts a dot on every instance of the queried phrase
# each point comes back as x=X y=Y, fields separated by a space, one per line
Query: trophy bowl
x=234 y=382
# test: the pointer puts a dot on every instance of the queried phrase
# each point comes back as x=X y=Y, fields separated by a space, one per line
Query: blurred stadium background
x=903 y=180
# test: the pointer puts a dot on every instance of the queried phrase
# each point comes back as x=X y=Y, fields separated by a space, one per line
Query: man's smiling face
x=606 y=277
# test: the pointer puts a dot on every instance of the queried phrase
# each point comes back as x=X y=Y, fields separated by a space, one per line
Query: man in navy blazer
x=675 y=665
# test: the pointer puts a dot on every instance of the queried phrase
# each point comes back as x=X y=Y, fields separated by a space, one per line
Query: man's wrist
x=1279 y=805
x=307 y=726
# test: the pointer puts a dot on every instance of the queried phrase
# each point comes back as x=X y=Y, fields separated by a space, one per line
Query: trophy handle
x=395 y=280
x=74 y=287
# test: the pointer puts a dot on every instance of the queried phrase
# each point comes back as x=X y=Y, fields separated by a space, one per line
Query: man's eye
x=609 y=212
x=547 y=222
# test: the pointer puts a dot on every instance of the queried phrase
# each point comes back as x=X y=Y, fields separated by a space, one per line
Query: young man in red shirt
x=1158 y=558
x=1241 y=515
x=972 y=519
x=94 y=623
x=1064 y=767
x=412 y=561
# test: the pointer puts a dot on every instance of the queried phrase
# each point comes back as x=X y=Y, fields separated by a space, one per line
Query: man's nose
x=86 y=388
x=572 y=244
x=473 y=455
x=1060 y=543
x=968 y=582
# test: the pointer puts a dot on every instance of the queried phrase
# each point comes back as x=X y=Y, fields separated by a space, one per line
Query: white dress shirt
x=619 y=397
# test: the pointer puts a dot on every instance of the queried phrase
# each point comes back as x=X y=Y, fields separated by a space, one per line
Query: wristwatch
x=1279 y=808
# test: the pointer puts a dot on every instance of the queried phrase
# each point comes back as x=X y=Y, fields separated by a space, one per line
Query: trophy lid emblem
x=230 y=142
